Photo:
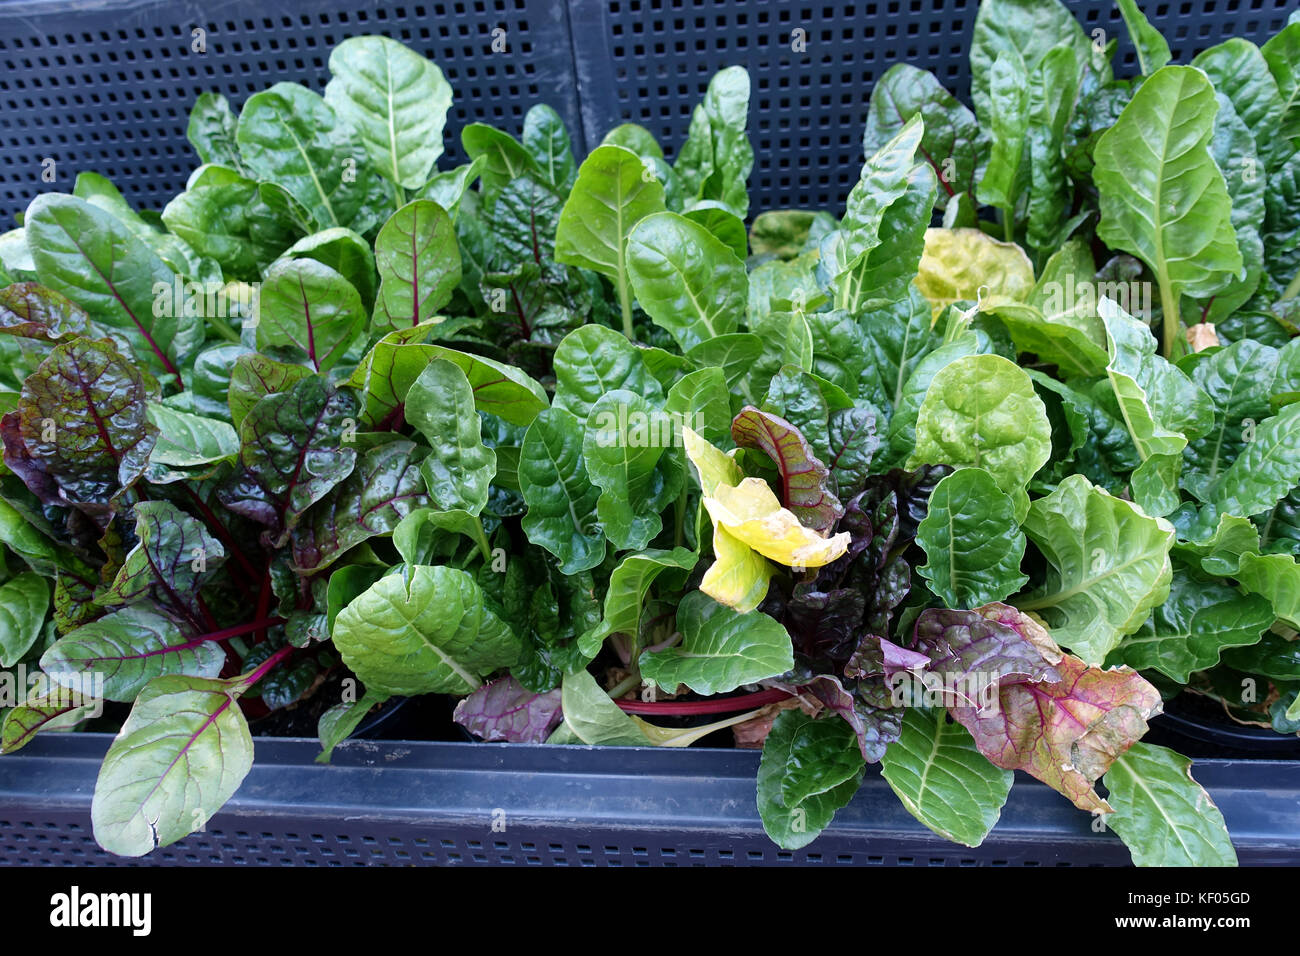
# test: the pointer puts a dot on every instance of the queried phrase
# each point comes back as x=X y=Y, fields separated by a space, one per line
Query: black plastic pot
x=1198 y=727
x=405 y=803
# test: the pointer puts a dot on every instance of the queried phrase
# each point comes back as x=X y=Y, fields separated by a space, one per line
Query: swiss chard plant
x=966 y=480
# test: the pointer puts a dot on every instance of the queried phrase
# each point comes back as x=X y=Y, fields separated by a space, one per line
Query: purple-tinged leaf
x=80 y=434
x=30 y=310
x=805 y=481
x=1067 y=732
x=876 y=727
x=294 y=450
x=506 y=710
x=61 y=708
x=899 y=659
x=174 y=558
x=384 y=488
x=969 y=645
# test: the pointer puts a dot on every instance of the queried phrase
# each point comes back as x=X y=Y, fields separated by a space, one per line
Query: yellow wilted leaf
x=752 y=513
x=739 y=575
x=714 y=466
x=958 y=263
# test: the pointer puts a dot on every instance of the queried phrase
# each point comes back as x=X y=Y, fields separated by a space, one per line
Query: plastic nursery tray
x=406 y=803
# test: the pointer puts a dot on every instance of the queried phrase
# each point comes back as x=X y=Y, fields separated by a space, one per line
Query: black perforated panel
x=808 y=109
x=401 y=803
x=107 y=86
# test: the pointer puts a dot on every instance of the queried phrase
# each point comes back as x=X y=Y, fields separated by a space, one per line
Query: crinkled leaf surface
x=293 y=451
x=1198 y=621
x=1109 y=566
x=560 y=496
x=80 y=433
x=384 y=488
x=808 y=758
x=720 y=651
x=972 y=539
x=687 y=281
x=982 y=411
x=459 y=468
x=423 y=630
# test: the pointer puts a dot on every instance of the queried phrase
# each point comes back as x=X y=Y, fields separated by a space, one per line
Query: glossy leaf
x=95 y=260
x=808 y=759
x=686 y=280
x=943 y=779
x=1164 y=816
x=440 y=405
x=182 y=753
x=80 y=433
x=720 y=649
x=611 y=195
x=1267 y=468
x=419 y=265
x=293 y=138
x=1109 y=566
x=310 y=310
x=24 y=599
x=1198 y=621
x=1162 y=197
x=423 y=630
x=384 y=488
x=973 y=541
x=293 y=451
x=395 y=100
x=560 y=496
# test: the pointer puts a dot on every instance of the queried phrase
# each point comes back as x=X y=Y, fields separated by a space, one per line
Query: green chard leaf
x=116 y=656
x=686 y=280
x=943 y=779
x=1163 y=198
x=1188 y=631
x=810 y=769
x=1109 y=566
x=982 y=411
x=1164 y=816
x=97 y=261
x=560 y=495
x=720 y=649
x=423 y=630
x=459 y=469
x=292 y=138
x=395 y=100
x=973 y=541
